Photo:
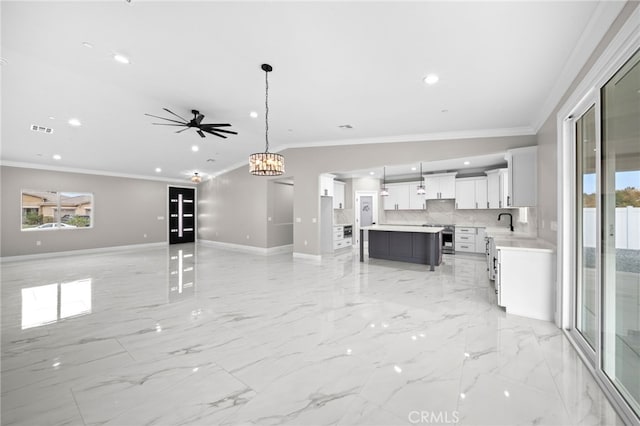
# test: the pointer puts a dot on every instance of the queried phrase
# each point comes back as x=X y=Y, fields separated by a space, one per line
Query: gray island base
x=414 y=244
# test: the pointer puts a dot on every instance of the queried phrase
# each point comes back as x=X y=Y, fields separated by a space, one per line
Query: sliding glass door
x=586 y=203
x=606 y=301
x=620 y=274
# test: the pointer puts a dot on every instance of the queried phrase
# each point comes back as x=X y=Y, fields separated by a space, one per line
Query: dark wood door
x=182 y=217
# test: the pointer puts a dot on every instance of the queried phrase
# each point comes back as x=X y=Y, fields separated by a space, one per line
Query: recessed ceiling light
x=87 y=45
x=253 y=114
x=51 y=117
x=372 y=173
x=195 y=148
x=413 y=169
x=121 y=59
x=57 y=157
x=74 y=122
x=431 y=79
x=158 y=169
x=466 y=163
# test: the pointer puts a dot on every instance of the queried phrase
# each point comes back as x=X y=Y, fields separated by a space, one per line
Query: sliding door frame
x=588 y=92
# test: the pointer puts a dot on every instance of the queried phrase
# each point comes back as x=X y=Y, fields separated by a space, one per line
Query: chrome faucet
x=510 y=219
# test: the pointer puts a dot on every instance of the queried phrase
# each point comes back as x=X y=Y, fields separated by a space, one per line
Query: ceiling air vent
x=41 y=129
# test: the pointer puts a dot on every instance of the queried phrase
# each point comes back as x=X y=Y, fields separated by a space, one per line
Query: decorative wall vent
x=41 y=129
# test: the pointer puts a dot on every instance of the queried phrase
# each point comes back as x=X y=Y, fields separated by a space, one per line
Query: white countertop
x=404 y=228
x=507 y=240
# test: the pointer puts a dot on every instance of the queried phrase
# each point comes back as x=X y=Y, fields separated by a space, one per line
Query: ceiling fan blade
x=201 y=134
x=214 y=133
x=169 y=124
x=199 y=118
x=222 y=131
x=215 y=125
x=173 y=113
x=180 y=131
x=168 y=119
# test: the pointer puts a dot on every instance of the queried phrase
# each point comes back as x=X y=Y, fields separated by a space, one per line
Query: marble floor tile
x=226 y=338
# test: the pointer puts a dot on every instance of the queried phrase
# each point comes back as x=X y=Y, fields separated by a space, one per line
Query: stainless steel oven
x=347 y=231
x=448 y=237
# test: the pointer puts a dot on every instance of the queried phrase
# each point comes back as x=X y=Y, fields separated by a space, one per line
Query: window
x=50 y=210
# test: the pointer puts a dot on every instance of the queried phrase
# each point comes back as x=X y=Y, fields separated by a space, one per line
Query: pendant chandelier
x=421 y=189
x=384 y=191
x=266 y=163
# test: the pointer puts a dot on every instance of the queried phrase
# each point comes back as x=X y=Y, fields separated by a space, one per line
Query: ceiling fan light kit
x=266 y=163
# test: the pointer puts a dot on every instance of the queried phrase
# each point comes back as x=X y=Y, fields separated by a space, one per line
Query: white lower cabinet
x=339 y=238
x=524 y=282
x=481 y=244
x=470 y=239
x=466 y=242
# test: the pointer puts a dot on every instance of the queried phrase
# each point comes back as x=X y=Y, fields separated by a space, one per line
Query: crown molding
x=87 y=171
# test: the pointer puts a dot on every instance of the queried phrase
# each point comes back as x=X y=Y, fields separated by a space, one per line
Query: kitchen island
x=405 y=243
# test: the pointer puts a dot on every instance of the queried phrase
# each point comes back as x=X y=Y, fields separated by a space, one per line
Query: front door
x=182 y=221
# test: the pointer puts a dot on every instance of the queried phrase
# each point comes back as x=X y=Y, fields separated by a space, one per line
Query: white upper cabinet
x=471 y=193
x=481 y=193
x=398 y=195
x=522 y=163
x=403 y=196
x=326 y=185
x=338 y=194
x=416 y=201
x=497 y=188
x=440 y=186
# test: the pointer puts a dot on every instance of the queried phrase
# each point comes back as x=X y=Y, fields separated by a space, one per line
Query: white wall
x=235 y=204
x=125 y=210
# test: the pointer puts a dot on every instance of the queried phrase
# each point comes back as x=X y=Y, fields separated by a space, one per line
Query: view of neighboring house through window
x=48 y=210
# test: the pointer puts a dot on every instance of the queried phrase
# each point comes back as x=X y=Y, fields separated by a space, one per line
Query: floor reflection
x=47 y=304
x=182 y=271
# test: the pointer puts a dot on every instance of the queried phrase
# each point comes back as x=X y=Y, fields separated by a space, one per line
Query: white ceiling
x=502 y=65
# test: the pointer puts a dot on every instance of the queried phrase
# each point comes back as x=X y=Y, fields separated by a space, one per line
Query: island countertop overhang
x=404 y=228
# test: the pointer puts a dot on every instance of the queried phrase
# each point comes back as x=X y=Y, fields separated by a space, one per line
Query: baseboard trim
x=315 y=257
x=248 y=249
x=67 y=253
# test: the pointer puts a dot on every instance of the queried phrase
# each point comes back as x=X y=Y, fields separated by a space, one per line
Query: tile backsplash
x=342 y=216
x=443 y=212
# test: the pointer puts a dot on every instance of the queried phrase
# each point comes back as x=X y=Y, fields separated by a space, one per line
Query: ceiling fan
x=195 y=123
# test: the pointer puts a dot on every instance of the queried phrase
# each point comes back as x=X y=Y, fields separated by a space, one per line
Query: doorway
x=366 y=212
x=182 y=215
